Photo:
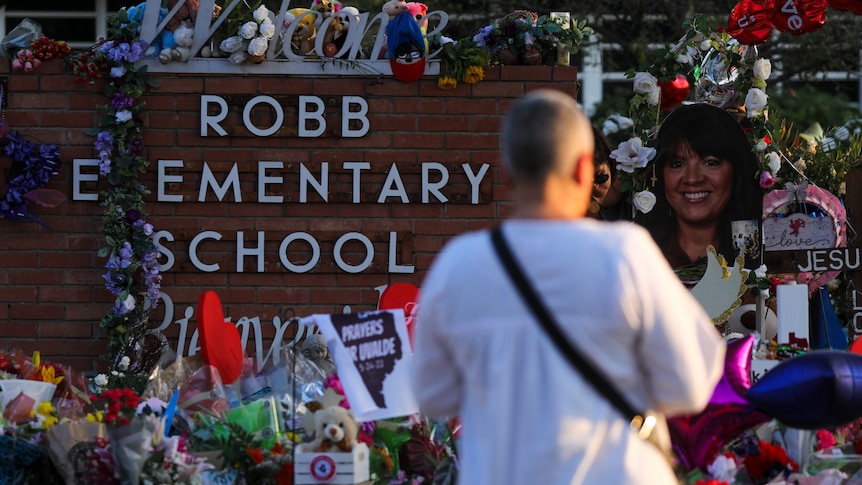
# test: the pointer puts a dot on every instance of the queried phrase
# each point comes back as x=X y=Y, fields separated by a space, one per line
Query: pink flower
x=767 y=180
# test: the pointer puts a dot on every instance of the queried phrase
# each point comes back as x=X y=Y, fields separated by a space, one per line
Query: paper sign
x=372 y=356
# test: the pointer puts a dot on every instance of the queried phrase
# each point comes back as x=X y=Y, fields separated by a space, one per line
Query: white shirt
x=528 y=416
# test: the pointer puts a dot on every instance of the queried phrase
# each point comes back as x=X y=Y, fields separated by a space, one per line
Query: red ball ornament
x=673 y=92
x=798 y=16
x=330 y=49
x=749 y=21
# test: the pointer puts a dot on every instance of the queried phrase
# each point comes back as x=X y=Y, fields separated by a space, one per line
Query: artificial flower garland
x=746 y=79
x=33 y=166
x=133 y=271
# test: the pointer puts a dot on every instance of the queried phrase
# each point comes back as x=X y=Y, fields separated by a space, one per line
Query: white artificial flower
x=101 y=380
x=683 y=59
x=644 y=201
x=231 y=44
x=755 y=102
x=609 y=127
x=631 y=155
x=773 y=161
x=261 y=14
x=258 y=46
x=723 y=468
x=129 y=303
x=842 y=133
x=760 y=272
x=267 y=28
x=624 y=121
x=125 y=362
x=706 y=45
x=123 y=116
x=762 y=69
x=248 y=30
x=760 y=146
x=647 y=84
x=118 y=71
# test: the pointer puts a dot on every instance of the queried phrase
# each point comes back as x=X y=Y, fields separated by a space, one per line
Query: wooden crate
x=337 y=468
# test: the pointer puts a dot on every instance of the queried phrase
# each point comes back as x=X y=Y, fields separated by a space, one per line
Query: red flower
x=758 y=465
x=710 y=482
x=256 y=455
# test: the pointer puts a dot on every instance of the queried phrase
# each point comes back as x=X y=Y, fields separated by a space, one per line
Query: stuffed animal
x=335 y=430
x=344 y=18
x=326 y=8
x=394 y=8
x=406 y=48
x=419 y=11
x=184 y=38
x=165 y=38
x=187 y=12
x=302 y=40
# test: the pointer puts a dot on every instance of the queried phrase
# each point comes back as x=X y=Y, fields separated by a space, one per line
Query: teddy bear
x=183 y=38
x=335 y=430
x=165 y=38
x=187 y=12
x=302 y=39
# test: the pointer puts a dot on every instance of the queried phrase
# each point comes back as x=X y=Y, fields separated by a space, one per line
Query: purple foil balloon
x=737 y=373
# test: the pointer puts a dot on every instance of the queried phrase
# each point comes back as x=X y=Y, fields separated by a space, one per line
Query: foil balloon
x=698 y=438
x=673 y=92
x=715 y=85
x=737 y=372
x=749 y=22
x=221 y=346
x=798 y=16
x=819 y=389
x=404 y=296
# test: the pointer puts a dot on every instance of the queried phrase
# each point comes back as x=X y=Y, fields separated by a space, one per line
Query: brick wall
x=51 y=289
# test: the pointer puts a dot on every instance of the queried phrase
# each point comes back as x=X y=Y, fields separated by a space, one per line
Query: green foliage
x=804 y=105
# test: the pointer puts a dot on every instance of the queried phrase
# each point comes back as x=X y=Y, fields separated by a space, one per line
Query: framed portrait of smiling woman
x=704 y=182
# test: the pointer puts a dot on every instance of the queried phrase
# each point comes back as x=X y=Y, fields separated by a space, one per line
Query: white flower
x=261 y=14
x=645 y=83
x=101 y=380
x=231 y=44
x=683 y=59
x=248 y=30
x=755 y=101
x=124 y=363
x=773 y=161
x=267 y=28
x=762 y=69
x=723 y=468
x=800 y=165
x=118 y=71
x=624 y=121
x=706 y=45
x=609 y=127
x=257 y=46
x=123 y=116
x=631 y=155
x=129 y=303
x=842 y=133
x=644 y=201
x=760 y=146
x=760 y=272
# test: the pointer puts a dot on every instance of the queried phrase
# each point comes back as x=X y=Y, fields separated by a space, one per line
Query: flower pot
x=508 y=57
x=37 y=390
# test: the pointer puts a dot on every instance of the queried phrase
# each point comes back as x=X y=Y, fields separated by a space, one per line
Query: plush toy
x=419 y=11
x=344 y=18
x=406 y=48
x=302 y=40
x=335 y=430
x=326 y=8
x=188 y=12
x=165 y=38
x=184 y=38
x=394 y=8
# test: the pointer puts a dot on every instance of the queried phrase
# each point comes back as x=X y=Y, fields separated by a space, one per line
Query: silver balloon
x=715 y=84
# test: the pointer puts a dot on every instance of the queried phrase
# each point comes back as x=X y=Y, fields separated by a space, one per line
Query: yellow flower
x=94 y=418
x=48 y=375
x=447 y=82
x=49 y=421
x=45 y=408
x=474 y=74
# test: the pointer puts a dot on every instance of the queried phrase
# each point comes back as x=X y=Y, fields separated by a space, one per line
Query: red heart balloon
x=798 y=16
x=673 y=92
x=749 y=22
x=404 y=296
x=221 y=346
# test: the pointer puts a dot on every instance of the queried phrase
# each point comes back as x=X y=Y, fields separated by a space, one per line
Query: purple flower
x=121 y=101
x=137 y=146
x=133 y=215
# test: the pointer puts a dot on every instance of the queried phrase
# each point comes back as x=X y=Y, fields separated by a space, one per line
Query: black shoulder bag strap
x=541 y=313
